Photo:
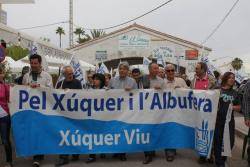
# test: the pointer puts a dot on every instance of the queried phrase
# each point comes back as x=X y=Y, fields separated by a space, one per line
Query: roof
x=138 y=27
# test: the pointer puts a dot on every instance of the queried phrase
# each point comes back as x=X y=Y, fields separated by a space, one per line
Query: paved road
x=185 y=158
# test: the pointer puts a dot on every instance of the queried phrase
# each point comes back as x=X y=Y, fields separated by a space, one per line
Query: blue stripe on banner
x=35 y=133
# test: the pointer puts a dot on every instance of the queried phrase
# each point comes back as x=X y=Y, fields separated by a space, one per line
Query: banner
x=51 y=121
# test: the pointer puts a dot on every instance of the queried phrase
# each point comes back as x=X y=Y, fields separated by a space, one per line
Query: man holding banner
x=202 y=81
x=68 y=83
x=123 y=81
x=37 y=78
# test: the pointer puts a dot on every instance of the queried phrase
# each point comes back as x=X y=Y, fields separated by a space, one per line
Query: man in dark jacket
x=68 y=83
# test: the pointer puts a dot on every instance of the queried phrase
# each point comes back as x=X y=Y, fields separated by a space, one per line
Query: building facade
x=134 y=42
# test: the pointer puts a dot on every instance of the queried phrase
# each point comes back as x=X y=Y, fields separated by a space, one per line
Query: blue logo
x=203 y=139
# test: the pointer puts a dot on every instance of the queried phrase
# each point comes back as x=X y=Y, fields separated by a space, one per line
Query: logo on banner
x=202 y=138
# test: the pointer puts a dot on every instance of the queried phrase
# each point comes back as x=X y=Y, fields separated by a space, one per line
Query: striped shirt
x=246 y=101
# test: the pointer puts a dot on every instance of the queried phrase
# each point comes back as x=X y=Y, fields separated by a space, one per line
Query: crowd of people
x=128 y=79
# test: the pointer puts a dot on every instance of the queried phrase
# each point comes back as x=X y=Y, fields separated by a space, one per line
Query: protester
x=89 y=83
x=246 y=112
x=107 y=79
x=229 y=102
x=172 y=82
x=5 y=123
x=151 y=81
x=68 y=83
x=136 y=74
x=217 y=79
x=202 y=80
x=25 y=70
x=161 y=73
x=98 y=83
x=185 y=77
x=123 y=81
x=37 y=78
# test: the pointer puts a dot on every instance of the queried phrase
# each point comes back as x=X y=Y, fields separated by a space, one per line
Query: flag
x=78 y=72
x=146 y=61
x=161 y=61
x=102 y=69
x=210 y=68
x=34 y=50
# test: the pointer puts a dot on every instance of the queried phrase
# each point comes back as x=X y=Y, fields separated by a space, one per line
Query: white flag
x=78 y=72
x=146 y=61
x=3 y=113
x=103 y=69
x=210 y=67
x=161 y=61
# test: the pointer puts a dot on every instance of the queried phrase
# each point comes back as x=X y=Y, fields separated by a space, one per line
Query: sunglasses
x=170 y=70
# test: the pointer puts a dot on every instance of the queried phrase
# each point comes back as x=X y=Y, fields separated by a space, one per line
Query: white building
x=134 y=42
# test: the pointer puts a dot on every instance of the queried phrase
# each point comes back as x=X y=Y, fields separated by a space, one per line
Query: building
x=134 y=42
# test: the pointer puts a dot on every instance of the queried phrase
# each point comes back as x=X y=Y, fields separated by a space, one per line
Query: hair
x=203 y=66
x=3 y=43
x=225 y=78
x=136 y=70
x=170 y=65
x=216 y=74
x=25 y=69
x=108 y=75
x=150 y=64
x=36 y=56
x=124 y=63
x=101 y=78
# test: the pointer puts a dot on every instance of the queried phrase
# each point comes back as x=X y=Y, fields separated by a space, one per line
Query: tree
x=17 y=52
x=97 y=33
x=45 y=39
x=79 y=32
x=61 y=32
x=237 y=63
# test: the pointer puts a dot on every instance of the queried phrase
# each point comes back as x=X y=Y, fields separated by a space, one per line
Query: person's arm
x=246 y=104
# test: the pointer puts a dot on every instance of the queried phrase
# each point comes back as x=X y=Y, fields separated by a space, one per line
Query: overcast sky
x=188 y=19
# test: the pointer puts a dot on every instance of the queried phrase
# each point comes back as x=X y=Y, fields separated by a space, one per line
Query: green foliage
x=97 y=33
x=17 y=52
x=237 y=63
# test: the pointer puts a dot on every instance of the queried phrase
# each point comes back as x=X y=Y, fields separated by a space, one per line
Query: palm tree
x=79 y=32
x=61 y=32
x=97 y=33
x=237 y=63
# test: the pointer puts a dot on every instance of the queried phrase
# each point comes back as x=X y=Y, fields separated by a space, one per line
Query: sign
x=163 y=52
x=134 y=41
x=192 y=54
x=101 y=55
x=51 y=121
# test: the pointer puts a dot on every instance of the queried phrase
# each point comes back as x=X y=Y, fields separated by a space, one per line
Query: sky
x=191 y=20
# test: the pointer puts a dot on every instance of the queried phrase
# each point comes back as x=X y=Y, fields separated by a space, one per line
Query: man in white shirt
x=172 y=82
x=37 y=78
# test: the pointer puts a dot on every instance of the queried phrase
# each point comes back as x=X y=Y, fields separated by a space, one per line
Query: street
x=185 y=158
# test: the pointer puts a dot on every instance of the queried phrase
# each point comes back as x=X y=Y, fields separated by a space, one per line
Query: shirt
x=44 y=79
x=122 y=83
x=74 y=84
x=157 y=82
x=201 y=83
x=177 y=82
x=4 y=96
x=227 y=97
x=246 y=101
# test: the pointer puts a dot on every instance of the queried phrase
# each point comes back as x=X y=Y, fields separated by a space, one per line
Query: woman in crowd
x=5 y=117
x=98 y=83
x=228 y=102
